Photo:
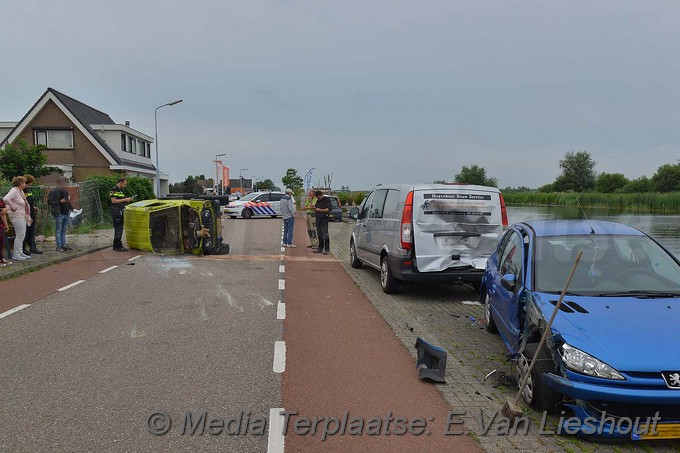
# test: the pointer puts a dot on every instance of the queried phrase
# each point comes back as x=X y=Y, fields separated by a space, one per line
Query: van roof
x=452 y=187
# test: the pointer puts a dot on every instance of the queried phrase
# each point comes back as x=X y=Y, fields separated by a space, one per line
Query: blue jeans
x=61 y=222
x=288 y=230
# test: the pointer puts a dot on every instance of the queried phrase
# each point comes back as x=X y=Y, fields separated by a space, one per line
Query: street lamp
x=155 y=122
x=253 y=184
x=217 y=190
x=241 y=183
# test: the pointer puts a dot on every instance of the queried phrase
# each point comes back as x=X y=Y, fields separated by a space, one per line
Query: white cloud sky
x=374 y=91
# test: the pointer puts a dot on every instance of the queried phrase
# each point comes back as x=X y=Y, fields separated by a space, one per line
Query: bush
x=358 y=197
x=344 y=198
x=141 y=187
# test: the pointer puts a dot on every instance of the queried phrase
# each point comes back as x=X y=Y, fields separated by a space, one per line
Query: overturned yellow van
x=175 y=227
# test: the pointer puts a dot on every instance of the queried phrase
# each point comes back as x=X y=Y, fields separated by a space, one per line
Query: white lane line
x=276 y=437
x=135 y=257
x=13 y=310
x=280 y=310
x=279 y=356
x=282 y=268
x=71 y=285
x=283 y=249
x=108 y=269
x=282 y=284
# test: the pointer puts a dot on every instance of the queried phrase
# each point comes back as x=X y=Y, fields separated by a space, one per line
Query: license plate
x=448 y=241
x=663 y=431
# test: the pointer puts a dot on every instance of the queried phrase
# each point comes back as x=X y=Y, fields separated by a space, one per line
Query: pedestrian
x=321 y=209
x=29 y=242
x=311 y=224
x=288 y=210
x=118 y=203
x=4 y=228
x=59 y=201
x=19 y=215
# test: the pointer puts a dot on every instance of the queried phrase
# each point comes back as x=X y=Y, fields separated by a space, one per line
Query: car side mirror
x=354 y=213
x=509 y=281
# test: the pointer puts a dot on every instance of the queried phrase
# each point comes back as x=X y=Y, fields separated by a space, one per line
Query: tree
x=610 y=182
x=267 y=184
x=190 y=185
x=292 y=179
x=19 y=158
x=667 y=178
x=578 y=173
x=328 y=180
x=475 y=175
x=640 y=185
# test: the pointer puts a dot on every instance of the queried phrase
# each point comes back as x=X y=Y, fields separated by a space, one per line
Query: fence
x=87 y=216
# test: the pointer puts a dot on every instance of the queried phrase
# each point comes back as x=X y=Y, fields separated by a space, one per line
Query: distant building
x=235 y=185
x=83 y=141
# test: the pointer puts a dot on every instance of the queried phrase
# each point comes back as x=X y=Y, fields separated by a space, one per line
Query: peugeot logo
x=672 y=379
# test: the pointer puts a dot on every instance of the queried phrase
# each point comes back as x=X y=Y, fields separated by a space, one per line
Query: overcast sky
x=371 y=91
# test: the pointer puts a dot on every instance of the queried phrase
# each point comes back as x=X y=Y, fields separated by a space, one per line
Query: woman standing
x=29 y=242
x=19 y=215
x=4 y=228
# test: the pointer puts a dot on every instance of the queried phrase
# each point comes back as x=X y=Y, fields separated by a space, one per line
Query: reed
x=645 y=202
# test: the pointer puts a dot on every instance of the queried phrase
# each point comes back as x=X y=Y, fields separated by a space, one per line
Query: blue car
x=612 y=352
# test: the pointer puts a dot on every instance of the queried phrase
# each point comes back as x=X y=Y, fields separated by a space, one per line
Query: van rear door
x=455 y=226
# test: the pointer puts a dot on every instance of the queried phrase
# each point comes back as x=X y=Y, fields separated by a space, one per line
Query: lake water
x=665 y=228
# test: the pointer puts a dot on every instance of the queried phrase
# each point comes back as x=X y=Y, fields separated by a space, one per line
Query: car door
x=361 y=229
x=262 y=205
x=505 y=303
x=375 y=237
x=275 y=200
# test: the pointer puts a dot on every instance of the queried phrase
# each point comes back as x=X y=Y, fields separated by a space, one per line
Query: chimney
x=127 y=124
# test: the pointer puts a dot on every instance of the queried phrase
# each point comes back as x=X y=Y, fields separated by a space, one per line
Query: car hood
x=627 y=333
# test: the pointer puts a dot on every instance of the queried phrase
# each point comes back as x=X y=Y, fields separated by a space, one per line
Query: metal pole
x=155 y=122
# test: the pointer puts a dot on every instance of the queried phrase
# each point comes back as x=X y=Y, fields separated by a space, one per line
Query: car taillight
x=504 y=212
x=407 y=222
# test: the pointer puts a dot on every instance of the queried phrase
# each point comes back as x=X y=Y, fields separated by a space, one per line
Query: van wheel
x=353 y=260
x=490 y=323
x=536 y=393
x=246 y=213
x=389 y=284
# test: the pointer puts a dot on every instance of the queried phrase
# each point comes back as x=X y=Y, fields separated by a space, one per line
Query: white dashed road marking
x=280 y=310
x=64 y=288
x=282 y=284
x=282 y=268
x=135 y=257
x=279 y=356
x=107 y=269
x=276 y=438
x=13 y=310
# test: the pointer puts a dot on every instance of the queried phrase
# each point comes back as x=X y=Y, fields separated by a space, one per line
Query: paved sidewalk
x=82 y=244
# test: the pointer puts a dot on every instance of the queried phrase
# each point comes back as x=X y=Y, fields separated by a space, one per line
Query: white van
x=427 y=232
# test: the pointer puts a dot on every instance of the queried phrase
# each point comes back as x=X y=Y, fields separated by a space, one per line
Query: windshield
x=249 y=197
x=610 y=264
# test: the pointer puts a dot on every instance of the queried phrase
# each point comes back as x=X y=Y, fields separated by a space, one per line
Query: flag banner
x=307 y=184
x=225 y=176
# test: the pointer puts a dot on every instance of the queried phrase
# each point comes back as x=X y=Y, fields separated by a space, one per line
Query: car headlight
x=583 y=363
x=231 y=206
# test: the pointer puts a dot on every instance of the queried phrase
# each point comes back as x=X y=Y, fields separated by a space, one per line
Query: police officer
x=118 y=203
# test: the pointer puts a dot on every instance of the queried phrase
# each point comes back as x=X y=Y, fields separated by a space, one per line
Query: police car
x=256 y=204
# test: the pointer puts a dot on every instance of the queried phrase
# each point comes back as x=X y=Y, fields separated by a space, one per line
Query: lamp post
x=217 y=190
x=253 y=184
x=155 y=122
x=241 y=178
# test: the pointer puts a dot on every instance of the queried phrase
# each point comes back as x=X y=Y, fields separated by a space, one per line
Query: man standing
x=118 y=203
x=29 y=242
x=60 y=206
x=288 y=213
x=321 y=209
x=311 y=224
